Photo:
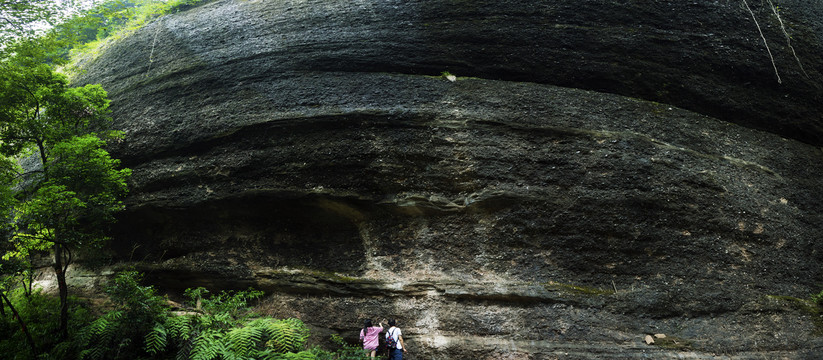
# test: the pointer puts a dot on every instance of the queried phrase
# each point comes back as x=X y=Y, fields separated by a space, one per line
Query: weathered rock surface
x=301 y=148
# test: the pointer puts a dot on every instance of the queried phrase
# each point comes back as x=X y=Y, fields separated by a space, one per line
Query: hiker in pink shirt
x=369 y=337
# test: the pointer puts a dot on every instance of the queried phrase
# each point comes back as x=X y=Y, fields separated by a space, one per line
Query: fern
x=96 y=337
x=207 y=346
x=271 y=355
x=243 y=341
x=63 y=350
x=179 y=327
x=223 y=319
x=284 y=336
x=183 y=352
x=222 y=330
x=101 y=327
x=156 y=339
x=229 y=355
x=203 y=322
x=93 y=353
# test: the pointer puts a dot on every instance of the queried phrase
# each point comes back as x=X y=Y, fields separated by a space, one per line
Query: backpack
x=391 y=343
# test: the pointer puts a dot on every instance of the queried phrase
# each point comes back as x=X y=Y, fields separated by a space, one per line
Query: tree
x=10 y=268
x=20 y=18
x=5 y=301
x=72 y=187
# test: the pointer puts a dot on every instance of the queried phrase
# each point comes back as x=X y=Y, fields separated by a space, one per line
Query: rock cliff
x=597 y=172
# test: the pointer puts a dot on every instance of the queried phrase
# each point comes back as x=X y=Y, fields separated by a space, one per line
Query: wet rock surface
x=305 y=148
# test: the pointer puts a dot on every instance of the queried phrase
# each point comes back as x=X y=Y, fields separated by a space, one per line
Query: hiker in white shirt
x=395 y=337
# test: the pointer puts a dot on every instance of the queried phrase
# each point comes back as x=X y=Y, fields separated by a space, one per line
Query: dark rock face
x=299 y=147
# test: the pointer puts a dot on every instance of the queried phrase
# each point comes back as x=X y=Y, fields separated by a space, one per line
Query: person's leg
x=373 y=353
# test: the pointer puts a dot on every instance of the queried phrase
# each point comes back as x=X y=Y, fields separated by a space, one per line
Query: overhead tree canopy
x=22 y=17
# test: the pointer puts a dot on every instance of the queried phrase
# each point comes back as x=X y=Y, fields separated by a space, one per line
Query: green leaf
x=156 y=339
x=242 y=341
x=207 y=346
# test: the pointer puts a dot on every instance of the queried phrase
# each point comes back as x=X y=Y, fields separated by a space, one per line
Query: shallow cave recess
x=228 y=238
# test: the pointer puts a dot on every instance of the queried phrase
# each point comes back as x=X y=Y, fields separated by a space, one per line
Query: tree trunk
x=63 y=289
x=22 y=324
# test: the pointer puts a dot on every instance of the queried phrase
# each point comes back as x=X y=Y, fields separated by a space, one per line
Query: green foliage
x=178 y=327
x=100 y=334
x=39 y=312
x=82 y=191
x=818 y=298
x=90 y=25
x=20 y=18
x=233 y=304
x=68 y=24
x=207 y=345
x=119 y=333
x=303 y=355
x=137 y=300
x=111 y=20
x=156 y=339
x=283 y=336
x=345 y=351
x=72 y=188
x=39 y=108
x=224 y=328
x=141 y=326
x=242 y=341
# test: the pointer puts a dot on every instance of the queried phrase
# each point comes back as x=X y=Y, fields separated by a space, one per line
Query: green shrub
x=223 y=327
x=119 y=333
x=140 y=326
x=345 y=351
x=40 y=312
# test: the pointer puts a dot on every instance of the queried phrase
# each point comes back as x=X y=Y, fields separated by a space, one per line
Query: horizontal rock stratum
x=598 y=172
